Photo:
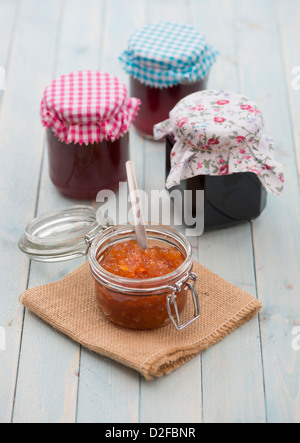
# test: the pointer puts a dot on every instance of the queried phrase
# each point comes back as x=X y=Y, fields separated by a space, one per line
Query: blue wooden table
x=254 y=374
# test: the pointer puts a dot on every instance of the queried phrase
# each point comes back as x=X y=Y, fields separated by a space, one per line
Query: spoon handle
x=138 y=218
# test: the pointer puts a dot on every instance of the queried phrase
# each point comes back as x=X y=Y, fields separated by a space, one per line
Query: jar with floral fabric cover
x=214 y=143
x=166 y=61
x=87 y=115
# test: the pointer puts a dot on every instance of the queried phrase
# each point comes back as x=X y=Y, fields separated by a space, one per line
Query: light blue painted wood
x=116 y=396
x=59 y=361
x=108 y=392
x=288 y=18
x=232 y=370
x=242 y=403
x=216 y=20
x=180 y=393
x=9 y=318
x=233 y=367
x=276 y=233
x=20 y=157
x=8 y=17
x=237 y=378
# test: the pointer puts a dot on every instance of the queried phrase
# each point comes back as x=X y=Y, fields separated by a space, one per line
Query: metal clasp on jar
x=171 y=301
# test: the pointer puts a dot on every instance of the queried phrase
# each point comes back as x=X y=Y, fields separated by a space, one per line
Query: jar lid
x=87 y=107
x=167 y=53
x=63 y=235
x=220 y=133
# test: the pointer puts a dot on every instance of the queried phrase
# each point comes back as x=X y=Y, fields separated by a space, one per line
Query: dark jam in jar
x=81 y=171
x=228 y=199
x=158 y=102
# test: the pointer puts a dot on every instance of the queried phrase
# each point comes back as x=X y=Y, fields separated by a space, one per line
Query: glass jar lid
x=64 y=234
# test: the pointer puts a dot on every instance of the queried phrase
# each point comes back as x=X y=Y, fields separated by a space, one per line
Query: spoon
x=138 y=219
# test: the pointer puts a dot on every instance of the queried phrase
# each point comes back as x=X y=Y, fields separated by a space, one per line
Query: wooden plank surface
x=180 y=397
x=107 y=391
x=59 y=361
x=21 y=143
x=288 y=20
x=276 y=233
x=254 y=374
x=241 y=385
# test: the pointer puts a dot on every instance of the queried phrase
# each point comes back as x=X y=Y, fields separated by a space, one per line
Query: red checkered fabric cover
x=88 y=106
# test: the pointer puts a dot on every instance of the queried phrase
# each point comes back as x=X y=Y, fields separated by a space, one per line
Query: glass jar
x=228 y=199
x=136 y=304
x=158 y=102
x=87 y=115
x=215 y=144
x=166 y=61
x=150 y=303
x=81 y=171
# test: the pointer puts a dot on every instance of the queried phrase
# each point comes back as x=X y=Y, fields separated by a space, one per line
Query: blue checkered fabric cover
x=165 y=53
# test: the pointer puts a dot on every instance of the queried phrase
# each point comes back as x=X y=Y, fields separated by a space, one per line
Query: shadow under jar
x=166 y=61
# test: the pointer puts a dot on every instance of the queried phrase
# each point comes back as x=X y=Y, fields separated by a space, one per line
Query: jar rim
x=138 y=285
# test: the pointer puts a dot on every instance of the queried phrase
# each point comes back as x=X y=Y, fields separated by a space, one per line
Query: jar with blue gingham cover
x=166 y=61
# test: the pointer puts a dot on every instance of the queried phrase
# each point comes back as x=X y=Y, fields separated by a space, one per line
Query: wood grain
x=21 y=150
x=253 y=375
x=276 y=233
x=59 y=361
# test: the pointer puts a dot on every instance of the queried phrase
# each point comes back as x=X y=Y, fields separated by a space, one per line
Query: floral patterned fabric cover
x=220 y=133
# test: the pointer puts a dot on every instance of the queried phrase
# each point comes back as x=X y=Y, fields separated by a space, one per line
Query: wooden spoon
x=138 y=219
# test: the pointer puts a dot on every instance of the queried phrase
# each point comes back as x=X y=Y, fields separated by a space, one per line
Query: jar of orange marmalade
x=134 y=303
x=144 y=303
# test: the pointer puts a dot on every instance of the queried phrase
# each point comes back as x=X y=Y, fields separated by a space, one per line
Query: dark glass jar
x=81 y=171
x=158 y=102
x=215 y=143
x=228 y=199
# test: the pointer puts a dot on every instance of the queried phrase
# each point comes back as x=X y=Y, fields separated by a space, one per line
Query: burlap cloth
x=70 y=306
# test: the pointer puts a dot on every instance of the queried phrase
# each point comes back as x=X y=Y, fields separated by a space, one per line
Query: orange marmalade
x=128 y=260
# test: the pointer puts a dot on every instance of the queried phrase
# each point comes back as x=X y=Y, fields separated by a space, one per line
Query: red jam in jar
x=88 y=116
x=80 y=171
x=166 y=61
x=158 y=102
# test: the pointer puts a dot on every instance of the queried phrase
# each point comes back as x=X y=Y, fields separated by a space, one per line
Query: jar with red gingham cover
x=87 y=115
